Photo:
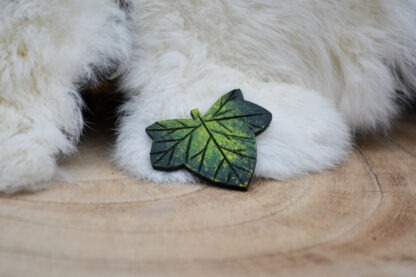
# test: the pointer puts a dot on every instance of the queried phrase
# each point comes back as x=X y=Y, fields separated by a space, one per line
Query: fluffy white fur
x=324 y=68
x=321 y=67
x=46 y=48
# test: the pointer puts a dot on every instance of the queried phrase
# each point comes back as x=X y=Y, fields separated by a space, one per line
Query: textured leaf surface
x=232 y=106
x=219 y=146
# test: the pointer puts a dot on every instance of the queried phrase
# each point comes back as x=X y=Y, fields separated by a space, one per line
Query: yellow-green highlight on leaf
x=219 y=146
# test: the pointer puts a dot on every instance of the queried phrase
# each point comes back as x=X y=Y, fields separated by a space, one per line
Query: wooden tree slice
x=358 y=219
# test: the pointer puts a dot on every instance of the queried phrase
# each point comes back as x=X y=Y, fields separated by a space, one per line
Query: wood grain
x=358 y=219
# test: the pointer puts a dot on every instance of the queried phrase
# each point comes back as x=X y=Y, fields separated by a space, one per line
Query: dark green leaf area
x=223 y=152
x=232 y=106
x=220 y=146
x=172 y=139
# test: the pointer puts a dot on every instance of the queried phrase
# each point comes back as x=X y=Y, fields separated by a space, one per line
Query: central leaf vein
x=220 y=149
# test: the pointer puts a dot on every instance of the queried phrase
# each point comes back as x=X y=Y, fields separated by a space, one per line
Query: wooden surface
x=358 y=219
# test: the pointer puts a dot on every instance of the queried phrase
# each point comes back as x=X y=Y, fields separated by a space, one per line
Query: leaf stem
x=196 y=114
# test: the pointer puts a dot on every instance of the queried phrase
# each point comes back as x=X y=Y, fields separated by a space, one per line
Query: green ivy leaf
x=219 y=146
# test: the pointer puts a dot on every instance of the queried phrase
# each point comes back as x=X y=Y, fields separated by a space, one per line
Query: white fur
x=324 y=68
x=46 y=48
x=317 y=65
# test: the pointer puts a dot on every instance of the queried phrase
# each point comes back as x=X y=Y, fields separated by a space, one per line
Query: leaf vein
x=217 y=170
x=160 y=125
x=225 y=127
x=223 y=104
x=203 y=155
x=220 y=148
x=238 y=152
x=223 y=112
x=231 y=135
x=188 y=147
x=243 y=169
x=236 y=117
x=173 y=146
x=170 y=129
